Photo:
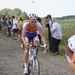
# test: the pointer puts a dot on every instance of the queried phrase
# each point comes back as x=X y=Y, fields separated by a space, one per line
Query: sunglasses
x=33 y=21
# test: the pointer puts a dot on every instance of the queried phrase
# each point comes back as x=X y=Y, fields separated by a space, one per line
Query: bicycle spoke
x=36 y=67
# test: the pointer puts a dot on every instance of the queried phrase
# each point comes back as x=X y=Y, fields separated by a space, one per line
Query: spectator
x=20 y=24
x=8 y=23
x=39 y=20
x=15 y=27
x=70 y=52
x=48 y=24
x=0 y=25
x=4 y=27
x=20 y=28
x=56 y=36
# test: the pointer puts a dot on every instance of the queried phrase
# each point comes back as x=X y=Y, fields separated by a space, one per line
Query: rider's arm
x=23 y=36
x=43 y=37
x=24 y=32
x=41 y=32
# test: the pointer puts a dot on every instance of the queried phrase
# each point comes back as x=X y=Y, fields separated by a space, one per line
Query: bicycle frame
x=32 y=59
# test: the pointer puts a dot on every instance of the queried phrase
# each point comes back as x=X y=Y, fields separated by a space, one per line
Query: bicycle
x=33 y=62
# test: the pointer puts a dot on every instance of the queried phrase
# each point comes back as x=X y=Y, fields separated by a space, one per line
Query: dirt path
x=11 y=60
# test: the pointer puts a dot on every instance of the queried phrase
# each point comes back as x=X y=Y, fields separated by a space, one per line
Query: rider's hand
x=46 y=46
x=26 y=45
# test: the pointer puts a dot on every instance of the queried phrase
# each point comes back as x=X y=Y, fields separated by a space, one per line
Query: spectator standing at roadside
x=20 y=23
x=56 y=36
x=15 y=27
x=0 y=25
x=4 y=27
x=8 y=23
x=48 y=24
x=39 y=20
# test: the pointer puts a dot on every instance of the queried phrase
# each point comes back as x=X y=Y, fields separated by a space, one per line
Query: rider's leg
x=36 y=42
x=26 y=61
x=26 y=50
x=25 y=55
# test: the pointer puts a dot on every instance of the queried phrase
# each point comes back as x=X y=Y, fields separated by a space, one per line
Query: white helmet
x=32 y=16
x=71 y=43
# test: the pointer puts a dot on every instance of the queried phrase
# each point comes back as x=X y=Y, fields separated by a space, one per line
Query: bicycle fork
x=32 y=59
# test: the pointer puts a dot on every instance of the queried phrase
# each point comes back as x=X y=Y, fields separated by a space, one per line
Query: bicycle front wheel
x=35 y=67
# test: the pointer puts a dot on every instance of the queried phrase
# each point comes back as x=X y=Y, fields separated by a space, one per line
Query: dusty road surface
x=11 y=60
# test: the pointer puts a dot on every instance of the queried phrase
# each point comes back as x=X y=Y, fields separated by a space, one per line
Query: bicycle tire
x=35 y=67
x=26 y=74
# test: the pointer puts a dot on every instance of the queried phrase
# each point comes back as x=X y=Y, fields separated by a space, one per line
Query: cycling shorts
x=31 y=36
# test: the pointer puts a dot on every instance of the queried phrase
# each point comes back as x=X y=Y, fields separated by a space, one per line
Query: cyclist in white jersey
x=30 y=28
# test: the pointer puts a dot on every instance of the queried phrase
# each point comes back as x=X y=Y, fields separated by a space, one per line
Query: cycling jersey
x=31 y=32
x=28 y=28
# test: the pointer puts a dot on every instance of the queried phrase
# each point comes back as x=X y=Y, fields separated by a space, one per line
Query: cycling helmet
x=72 y=38
x=71 y=43
x=32 y=16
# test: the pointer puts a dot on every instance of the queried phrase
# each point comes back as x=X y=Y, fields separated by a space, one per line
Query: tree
x=24 y=15
x=16 y=12
x=6 y=11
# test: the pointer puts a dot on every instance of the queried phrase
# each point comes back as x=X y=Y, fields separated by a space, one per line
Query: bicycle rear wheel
x=35 y=67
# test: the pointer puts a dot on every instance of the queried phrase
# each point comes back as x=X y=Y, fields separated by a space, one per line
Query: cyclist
x=30 y=28
x=70 y=52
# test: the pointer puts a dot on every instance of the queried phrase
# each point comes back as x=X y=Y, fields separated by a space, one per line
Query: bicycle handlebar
x=30 y=45
x=36 y=45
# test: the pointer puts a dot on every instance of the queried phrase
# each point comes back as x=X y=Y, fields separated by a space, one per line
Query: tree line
x=8 y=13
x=68 y=17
